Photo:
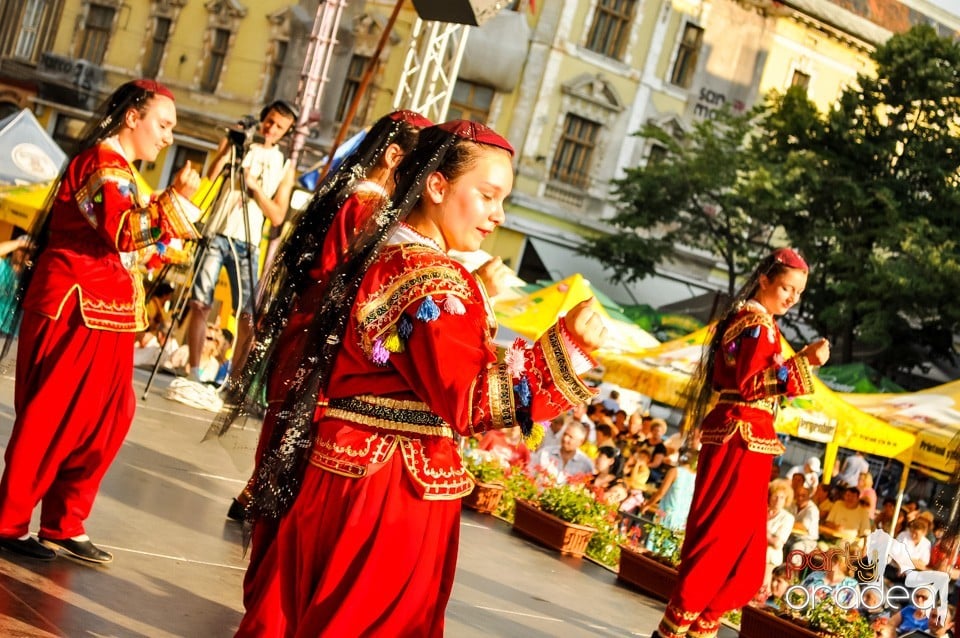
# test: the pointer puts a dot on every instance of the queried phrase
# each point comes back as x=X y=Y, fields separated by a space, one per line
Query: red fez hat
x=476 y=132
x=790 y=257
x=410 y=117
x=152 y=86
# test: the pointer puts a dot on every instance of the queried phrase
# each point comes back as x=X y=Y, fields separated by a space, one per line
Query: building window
x=800 y=79
x=611 y=27
x=571 y=165
x=183 y=154
x=29 y=29
x=161 y=33
x=96 y=33
x=215 y=59
x=276 y=67
x=470 y=102
x=657 y=154
x=67 y=132
x=686 y=63
x=358 y=63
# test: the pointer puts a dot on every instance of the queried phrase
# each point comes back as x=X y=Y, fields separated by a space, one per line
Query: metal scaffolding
x=430 y=68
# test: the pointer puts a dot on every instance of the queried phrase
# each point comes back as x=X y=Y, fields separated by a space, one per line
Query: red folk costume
x=74 y=396
x=370 y=545
x=724 y=549
x=260 y=579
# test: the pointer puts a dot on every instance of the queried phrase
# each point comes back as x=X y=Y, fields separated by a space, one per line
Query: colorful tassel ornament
x=379 y=355
x=453 y=305
x=392 y=342
x=405 y=327
x=428 y=310
x=534 y=437
x=522 y=390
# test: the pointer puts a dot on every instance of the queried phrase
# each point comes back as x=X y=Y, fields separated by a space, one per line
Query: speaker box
x=472 y=12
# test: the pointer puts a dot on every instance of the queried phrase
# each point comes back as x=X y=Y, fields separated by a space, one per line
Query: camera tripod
x=213 y=221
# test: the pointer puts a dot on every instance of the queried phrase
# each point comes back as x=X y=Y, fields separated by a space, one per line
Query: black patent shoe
x=237 y=511
x=81 y=550
x=29 y=547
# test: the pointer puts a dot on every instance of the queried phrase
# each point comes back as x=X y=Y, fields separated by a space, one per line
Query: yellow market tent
x=932 y=415
x=663 y=372
x=532 y=314
x=19 y=205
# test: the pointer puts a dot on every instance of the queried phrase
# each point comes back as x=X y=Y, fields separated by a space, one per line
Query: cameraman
x=269 y=179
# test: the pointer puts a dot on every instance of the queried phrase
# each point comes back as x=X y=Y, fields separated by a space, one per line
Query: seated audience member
x=874 y=611
x=884 y=517
x=780 y=582
x=810 y=471
x=912 y=618
x=554 y=433
x=806 y=526
x=658 y=451
x=779 y=523
x=506 y=446
x=632 y=437
x=635 y=475
x=605 y=439
x=941 y=554
x=916 y=541
x=868 y=496
x=847 y=518
x=612 y=403
x=671 y=502
x=579 y=413
x=223 y=356
x=568 y=459
x=824 y=498
x=822 y=583
x=615 y=493
x=605 y=467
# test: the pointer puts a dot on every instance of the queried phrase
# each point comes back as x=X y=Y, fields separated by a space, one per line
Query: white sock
x=24 y=537
x=81 y=538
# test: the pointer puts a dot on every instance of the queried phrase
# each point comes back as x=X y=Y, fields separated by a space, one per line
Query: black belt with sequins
x=392 y=415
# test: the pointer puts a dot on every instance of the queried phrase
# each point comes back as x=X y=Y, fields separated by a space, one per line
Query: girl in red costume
x=297 y=284
x=83 y=306
x=724 y=549
x=369 y=547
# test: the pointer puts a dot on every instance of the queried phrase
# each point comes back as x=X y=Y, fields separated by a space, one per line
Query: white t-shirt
x=550 y=461
x=267 y=166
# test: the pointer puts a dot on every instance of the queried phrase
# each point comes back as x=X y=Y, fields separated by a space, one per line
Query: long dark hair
x=290 y=273
x=277 y=477
x=699 y=390
x=106 y=121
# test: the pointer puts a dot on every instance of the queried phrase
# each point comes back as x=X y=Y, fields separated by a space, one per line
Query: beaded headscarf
x=105 y=122
x=279 y=474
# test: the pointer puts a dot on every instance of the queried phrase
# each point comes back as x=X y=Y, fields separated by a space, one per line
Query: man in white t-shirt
x=847 y=518
x=234 y=231
x=566 y=460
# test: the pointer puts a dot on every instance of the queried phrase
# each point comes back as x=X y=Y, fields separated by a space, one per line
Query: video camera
x=241 y=134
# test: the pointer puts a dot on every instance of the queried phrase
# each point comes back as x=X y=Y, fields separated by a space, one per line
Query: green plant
x=827 y=617
x=517 y=483
x=484 y=469
x=664 y=542
x=577 y=502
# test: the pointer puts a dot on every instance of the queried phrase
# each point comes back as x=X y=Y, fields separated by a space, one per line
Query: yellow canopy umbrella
x=932 y=415
x=532 y=314
x=20 y=204
x=662 y=373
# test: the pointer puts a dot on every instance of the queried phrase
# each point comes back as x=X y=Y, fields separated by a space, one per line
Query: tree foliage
x=875 y=202
x=698 y=195
x=867 y=191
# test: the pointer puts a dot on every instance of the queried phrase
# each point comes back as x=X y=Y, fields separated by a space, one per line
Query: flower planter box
x=484 y=498
x=757 y=623
x=569 y=539
x=642 y=571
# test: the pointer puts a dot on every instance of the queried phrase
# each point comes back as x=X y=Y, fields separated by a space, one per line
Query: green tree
x=698 y=195
x=874 y=201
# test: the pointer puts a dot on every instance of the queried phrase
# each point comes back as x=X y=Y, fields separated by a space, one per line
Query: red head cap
x=790 y=257
x=476 y=132
x=152 y=86
x=410 y=117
